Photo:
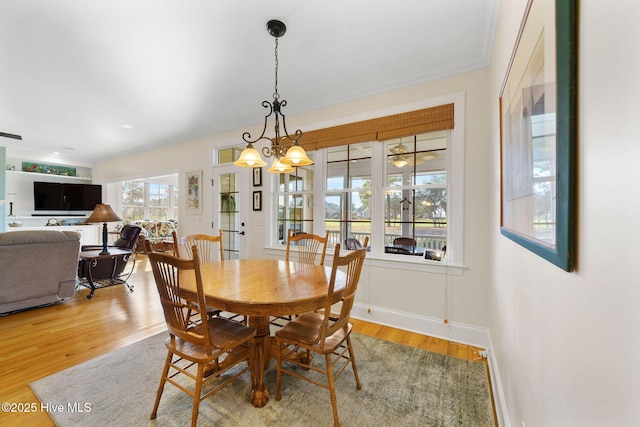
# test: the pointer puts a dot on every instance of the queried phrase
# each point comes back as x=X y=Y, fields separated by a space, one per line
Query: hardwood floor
x=37 y=343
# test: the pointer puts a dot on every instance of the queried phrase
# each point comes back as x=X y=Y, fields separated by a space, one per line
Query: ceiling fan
x=398 y=159
x=398 y=149
x=11 y=135
x=401 y=157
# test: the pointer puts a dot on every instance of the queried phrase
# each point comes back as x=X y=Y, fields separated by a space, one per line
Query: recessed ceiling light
x=125 y=126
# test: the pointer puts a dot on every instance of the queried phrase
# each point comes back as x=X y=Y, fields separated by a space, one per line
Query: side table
x=94 y=258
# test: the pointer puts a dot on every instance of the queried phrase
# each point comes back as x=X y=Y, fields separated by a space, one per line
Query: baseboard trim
x=451 y=331
x=458 y=332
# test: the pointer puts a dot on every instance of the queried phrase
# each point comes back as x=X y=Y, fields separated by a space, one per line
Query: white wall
x=3 y=156
x=567 y=344
x=418 y=295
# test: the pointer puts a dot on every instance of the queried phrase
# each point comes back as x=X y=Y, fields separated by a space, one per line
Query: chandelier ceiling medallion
x=284 y=148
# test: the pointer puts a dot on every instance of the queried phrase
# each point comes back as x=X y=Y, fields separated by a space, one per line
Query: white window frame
x=173 y=212
x=453 y=263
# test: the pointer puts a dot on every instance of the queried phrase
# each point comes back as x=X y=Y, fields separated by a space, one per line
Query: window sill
x=397 y=262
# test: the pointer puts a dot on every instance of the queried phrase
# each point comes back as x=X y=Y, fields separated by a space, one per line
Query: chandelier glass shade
x=284 y=148
x=278 y=167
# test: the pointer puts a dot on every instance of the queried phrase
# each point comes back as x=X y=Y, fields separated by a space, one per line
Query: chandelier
x=285 y=149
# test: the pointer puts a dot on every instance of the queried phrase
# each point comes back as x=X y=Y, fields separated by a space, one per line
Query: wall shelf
x=19 y=184
x=41 y=176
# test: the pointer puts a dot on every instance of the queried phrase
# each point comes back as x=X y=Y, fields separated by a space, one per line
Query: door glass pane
x=229 y=215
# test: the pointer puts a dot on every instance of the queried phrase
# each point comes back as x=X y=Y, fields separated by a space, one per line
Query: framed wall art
x=257 y=200
x=257 y=177
x=538 y=133
x=194 y=192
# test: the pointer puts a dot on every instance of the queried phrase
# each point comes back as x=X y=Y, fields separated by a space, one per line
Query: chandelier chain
x=285 y=148
x=275 y=94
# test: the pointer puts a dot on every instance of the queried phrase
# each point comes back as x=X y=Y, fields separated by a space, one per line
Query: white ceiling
x=75 y=73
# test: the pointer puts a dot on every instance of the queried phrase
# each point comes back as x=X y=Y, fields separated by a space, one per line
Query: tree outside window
x=295 y=202
x=348 y=193
x=416 y=190
x=140 y=200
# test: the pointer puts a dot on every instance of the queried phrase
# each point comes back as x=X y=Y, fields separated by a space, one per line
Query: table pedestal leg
x=259 y=393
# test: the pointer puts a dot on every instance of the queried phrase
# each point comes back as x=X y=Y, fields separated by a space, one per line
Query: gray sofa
x=37 y=267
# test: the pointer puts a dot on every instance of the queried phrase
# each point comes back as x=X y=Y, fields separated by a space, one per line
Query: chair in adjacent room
x=352 y=244
x=324 y=334
x=307 y=246
x=405 y=242
x=157 y=246
x=114 y=267
x=161 y=247
x=214 y=344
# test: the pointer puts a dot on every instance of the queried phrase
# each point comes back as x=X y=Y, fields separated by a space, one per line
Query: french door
x=230 y=208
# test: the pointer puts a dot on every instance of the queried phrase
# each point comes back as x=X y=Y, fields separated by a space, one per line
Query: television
x=54 y=196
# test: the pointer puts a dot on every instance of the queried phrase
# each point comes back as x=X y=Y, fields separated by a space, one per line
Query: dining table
x=259 y=289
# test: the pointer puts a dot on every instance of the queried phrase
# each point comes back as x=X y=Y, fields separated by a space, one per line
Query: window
x=416 y=193
x=295 y=202
x=228 y=155
x=150 y=200
x=347 y=213
x=386 y=178
x=413 y=186
x=132 y=200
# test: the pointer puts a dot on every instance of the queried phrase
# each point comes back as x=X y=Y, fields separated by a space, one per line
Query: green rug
x=401 y=386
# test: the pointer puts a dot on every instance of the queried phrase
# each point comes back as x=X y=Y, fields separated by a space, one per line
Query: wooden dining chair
x=308 y=246
x=214 y=344
x=324 y=333
x=206 y=244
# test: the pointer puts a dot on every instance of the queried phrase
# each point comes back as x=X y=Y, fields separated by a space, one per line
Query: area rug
x=401 y=386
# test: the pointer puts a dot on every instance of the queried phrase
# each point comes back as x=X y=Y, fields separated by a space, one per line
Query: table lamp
x=103 y=213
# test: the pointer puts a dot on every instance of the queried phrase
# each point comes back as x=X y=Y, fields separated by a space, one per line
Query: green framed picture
x=538 y=133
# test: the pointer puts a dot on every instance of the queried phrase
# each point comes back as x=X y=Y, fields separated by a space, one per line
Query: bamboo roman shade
x=381 y=129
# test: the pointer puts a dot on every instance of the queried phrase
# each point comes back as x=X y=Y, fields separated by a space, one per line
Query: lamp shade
x=103 y=213
x=250 y=158
x=278 y=167
x=296 y=156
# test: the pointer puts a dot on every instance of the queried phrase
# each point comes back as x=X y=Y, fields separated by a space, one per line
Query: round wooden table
x=260 y=288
